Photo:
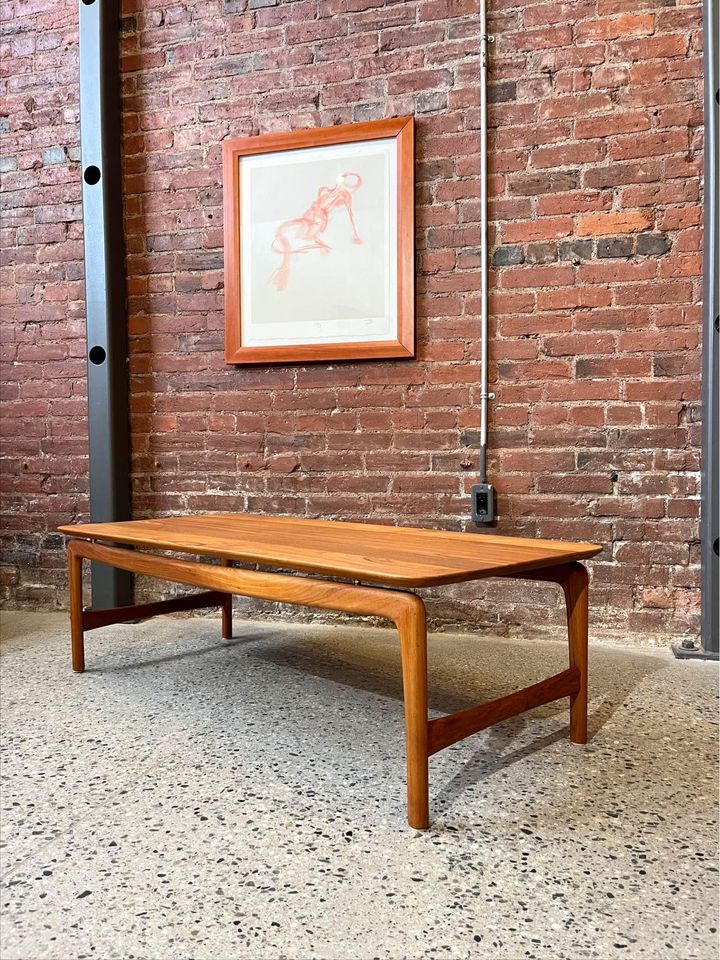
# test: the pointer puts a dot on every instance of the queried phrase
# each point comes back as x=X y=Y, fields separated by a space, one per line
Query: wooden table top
x=396 y=556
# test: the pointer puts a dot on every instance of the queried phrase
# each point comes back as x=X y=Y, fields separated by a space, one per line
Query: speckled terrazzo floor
x=194 y=798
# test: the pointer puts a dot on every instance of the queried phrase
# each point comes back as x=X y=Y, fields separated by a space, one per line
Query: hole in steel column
x=97 y=355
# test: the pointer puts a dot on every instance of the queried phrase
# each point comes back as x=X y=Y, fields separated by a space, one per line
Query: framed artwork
x=319 y=244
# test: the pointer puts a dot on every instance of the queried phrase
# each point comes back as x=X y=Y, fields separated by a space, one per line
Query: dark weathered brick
x=504 y=256
x=653 y=244
x=575 y=250
x=615 y=247
x=541 y=253
x=430 y=102
x=538 y=184
x=502 y=92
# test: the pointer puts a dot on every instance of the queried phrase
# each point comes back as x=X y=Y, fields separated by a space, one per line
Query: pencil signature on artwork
x=304 y=233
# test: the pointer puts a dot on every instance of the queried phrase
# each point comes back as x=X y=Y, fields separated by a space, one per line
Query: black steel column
x=710 y=482
x=107 y=376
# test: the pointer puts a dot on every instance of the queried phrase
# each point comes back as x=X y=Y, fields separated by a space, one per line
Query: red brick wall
x=595 y=201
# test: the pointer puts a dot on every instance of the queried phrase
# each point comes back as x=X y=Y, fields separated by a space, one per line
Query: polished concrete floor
x=188 y=798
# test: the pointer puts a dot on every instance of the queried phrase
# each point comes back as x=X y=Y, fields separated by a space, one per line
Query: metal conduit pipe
x=483 y=506
x=710 y=508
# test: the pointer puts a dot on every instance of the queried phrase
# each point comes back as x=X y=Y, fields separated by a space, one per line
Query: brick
x=627 y=121
x=653 y=244
x=677 y=219
x=654 y=48
x=660 y=194
x=657 y=341
x=677 y=366
x=576 y=344
x=572 y=106
x=573 y=298
x=615 y=246
x=622 y=367
x=639 y=25
x=578 y=201
x=541 y=253
x=567 y=155
x=617 y=272
x=541 y=228
x=575 y=250
x=522 y=461
x=502 y=92
x=600 y=178
x=417 y=80
x=532 y=185
x=604 y=224
x=687 y=240
x=542 y=39
x=573 y=391
x=659 y=293
x=648 y=145
x=523 y=277
x=54 y=155
x=505 y=256
x=610 y=77
x=681 y=266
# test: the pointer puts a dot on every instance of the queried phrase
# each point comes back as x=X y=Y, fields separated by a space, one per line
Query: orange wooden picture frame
x=402 y=128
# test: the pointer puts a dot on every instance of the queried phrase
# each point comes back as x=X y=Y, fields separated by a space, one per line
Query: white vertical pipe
x=710 y=478
x=484 y=395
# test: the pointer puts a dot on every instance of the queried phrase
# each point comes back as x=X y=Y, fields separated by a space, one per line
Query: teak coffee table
x=396 y=558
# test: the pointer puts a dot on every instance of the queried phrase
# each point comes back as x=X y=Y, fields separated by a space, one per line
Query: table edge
x=584 y=551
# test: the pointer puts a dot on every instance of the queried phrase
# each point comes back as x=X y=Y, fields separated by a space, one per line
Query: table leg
x=77 y=633
x=413 y=650
x=227 y=609
x=575 y=588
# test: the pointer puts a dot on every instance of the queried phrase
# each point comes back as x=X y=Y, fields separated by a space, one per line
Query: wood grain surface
x=396 y=556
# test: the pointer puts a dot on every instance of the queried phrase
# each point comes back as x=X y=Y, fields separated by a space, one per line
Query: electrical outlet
x=483 y=502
